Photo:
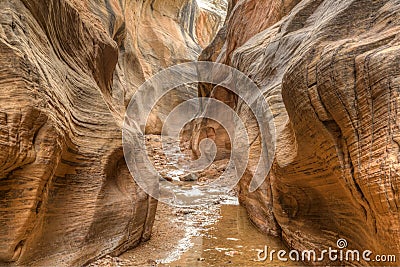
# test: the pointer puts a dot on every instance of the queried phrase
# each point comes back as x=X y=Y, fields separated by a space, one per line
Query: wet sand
x=221 y=235
x=214 y=232
x=232 y=241
x=173 y=231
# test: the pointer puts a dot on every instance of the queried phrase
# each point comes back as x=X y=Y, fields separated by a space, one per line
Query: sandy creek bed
x=216 y=233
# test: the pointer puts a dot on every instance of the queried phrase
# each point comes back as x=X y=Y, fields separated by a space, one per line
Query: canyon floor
x=215 y=233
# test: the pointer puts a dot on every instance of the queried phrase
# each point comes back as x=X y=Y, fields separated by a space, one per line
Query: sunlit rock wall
x=68 y=69
x=330 y=72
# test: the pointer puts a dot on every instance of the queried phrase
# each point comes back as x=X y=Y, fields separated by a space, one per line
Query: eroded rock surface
x=330 y=72
x=67 y=70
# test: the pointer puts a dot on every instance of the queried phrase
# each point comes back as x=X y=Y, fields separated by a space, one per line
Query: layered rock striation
x=68 y=69
x=330 y=73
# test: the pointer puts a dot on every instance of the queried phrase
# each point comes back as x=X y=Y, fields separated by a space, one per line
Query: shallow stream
x=232 y=241
x=204 y=228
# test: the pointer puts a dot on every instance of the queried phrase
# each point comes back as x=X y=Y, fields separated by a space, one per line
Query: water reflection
x=232 y=241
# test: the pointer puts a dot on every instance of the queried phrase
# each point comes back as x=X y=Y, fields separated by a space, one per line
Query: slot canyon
x=78 y=76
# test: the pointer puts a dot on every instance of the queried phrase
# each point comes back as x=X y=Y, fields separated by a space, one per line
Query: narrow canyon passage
x=199 y=133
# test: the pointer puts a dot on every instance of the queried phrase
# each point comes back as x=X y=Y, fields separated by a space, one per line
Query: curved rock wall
x=68 y=69
x=330 y=72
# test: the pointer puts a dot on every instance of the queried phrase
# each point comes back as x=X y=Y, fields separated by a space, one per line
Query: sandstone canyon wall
x=330 y=71
x=68 y=69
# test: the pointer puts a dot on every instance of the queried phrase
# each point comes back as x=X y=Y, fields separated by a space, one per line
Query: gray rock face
x=330 y=71
x=67 y=72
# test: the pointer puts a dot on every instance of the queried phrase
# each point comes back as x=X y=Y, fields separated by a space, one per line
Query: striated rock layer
x=330 y=72
x=67 y=70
